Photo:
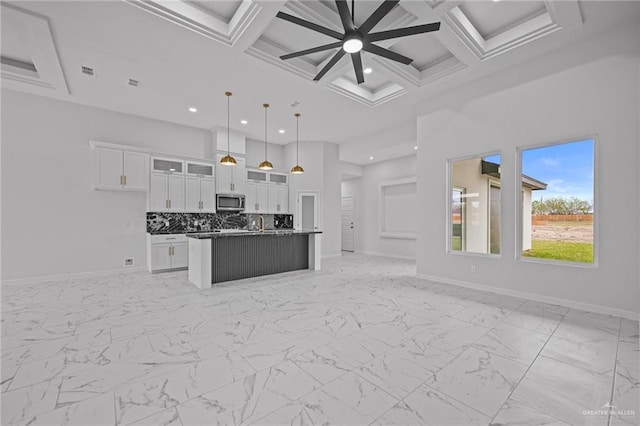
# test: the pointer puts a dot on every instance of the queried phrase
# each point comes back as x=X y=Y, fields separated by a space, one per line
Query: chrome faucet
x=261 y=222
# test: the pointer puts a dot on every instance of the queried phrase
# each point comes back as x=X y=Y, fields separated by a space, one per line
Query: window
x=474 y=219
x=557 y=205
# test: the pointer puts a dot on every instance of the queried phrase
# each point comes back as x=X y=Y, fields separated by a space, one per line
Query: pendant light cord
x=297 y=139
x=265 y=130
x=228 y=131
x=353 y=12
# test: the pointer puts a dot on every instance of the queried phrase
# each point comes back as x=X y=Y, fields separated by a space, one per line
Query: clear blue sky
x=567 y=169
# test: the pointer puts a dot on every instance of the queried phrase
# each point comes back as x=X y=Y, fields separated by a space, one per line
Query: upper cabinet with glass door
x=200 y=189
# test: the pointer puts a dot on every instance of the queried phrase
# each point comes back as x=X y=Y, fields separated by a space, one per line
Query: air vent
x=134 y=83
x=294 y=104
x=88 y=71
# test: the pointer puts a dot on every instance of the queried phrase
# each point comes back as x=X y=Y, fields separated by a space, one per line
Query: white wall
x=365 y=192
x=322 y=174
x=275 y=154
x=53 y=221
x=593 y=91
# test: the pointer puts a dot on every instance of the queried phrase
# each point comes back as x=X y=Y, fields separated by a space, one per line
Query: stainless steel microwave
x=230 y=202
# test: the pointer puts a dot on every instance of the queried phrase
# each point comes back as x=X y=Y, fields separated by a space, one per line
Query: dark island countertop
x=277 y=232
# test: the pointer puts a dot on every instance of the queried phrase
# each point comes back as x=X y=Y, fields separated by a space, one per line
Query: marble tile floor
x=360 y=342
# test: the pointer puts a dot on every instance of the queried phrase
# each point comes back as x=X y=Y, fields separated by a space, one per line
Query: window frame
x=520 y=200
x=449 y=223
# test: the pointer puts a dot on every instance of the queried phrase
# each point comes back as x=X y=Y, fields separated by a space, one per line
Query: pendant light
x=297 y=169
x=228 y=160
x=265 y=165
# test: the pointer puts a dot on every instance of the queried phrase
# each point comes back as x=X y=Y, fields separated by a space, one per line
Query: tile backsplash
x=174 y=223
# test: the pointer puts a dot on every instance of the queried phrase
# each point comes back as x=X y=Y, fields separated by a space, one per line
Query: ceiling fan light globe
x=352 y=45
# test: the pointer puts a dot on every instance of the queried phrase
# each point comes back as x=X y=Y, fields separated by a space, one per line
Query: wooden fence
x=543 y=219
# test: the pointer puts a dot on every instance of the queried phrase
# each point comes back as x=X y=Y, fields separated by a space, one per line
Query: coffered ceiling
x=157 y=58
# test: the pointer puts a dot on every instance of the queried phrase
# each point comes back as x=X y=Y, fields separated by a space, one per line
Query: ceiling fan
x=355 y=38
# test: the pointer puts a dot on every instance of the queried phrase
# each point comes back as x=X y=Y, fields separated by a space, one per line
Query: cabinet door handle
x=166 y=204
x=169 y=203
x=125 y=179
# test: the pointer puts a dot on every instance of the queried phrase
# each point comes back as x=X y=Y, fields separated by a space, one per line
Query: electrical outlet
x=128 y=261
x=473 y=268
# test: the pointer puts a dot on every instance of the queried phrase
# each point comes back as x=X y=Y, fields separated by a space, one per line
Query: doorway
x=307 y=209
x=347 y=208
x=494 y=219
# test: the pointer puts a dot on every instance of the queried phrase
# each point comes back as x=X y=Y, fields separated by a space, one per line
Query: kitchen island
x=224 y=256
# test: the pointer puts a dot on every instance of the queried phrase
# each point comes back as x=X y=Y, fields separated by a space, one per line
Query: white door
x=192 y=194
x=250 y=201
x=180 y=255
x=109 y=168
x=273 y=198
x=307 y=202
x=176 y=193
x=208 y=194
x=161 y=256
x=347 y=224
x=283 y=199
x=136 y=170
x=158 y=193
x=262 y=197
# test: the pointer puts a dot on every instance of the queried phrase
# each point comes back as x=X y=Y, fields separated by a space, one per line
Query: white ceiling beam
x=265 y=13
x=448 y=38
x=35 y=34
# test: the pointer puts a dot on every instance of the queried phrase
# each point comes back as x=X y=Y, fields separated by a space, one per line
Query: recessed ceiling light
x=243 y=121
x=193 y=109
x=415 y=147
x=368 y=70
x=370 y=158
x=281 y=131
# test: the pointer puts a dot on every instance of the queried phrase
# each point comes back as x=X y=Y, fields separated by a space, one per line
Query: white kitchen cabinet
x=257 y=197
x=278 y=178
x=278 y=193
x=231 y=179
x=167 y=252
x=200 y=188
x=161 y=257
x=180 y=255
x=167 y=165
x=200 y=194
x=166 y=193
x=117 y=169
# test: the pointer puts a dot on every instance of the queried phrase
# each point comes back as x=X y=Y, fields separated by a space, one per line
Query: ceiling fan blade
x=339 y=54
x=310 y=25
x=343 y=9
x=377 y=16
x=357 y=66
x=386 y=53
x=403 y=32
x=312 y=50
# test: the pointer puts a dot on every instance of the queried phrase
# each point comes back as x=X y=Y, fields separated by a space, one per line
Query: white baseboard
x=330 y=255
x=393 y=256
x=61 y=277
x=605 y=310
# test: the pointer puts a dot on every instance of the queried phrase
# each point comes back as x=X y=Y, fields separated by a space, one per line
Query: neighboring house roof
x=493 y=169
